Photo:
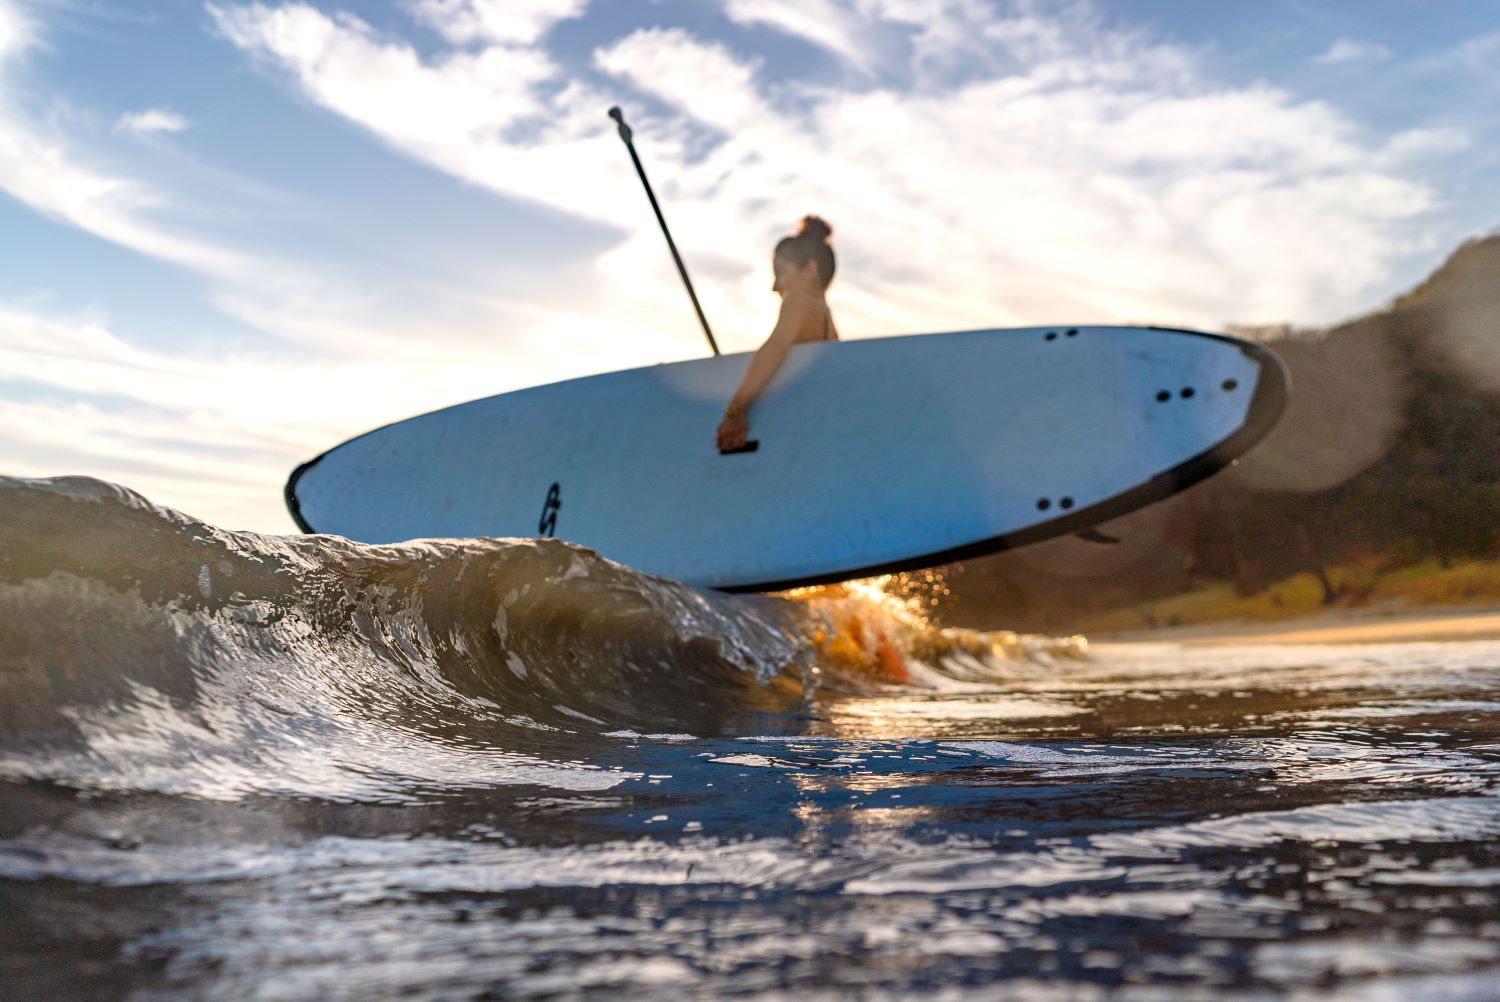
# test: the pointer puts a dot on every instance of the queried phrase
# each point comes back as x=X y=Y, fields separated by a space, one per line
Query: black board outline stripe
x=289 y=492
x=1266 y=407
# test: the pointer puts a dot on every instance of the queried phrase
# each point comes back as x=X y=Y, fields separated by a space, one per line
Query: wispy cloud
x=81 y=400
x=38 y=168
x=1060 y=167
x=326 y=306
x=459 y=112
x=1421 y=144
x=151 y=121
x=505 y=21
x=705 y=81
x=824 y=23
x=1480 y=54
x=215 y=434
x=1353 y=50
x=15 y=31
x=43 y=173
x=287 y=296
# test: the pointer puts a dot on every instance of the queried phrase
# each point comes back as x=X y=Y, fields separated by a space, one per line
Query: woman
x=803 y=265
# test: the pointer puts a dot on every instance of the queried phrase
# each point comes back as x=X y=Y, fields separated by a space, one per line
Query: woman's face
x=790 y=276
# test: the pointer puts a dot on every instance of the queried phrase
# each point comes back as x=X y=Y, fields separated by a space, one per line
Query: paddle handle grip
x=619 y=116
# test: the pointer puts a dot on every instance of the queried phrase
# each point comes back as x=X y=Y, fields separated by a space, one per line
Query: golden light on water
x=883 y=629
x=910 y=596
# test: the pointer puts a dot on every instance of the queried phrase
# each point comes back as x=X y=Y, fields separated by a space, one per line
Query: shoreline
x=1332 y=626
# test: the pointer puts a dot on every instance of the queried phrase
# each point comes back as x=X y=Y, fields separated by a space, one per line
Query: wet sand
x=1339 y=626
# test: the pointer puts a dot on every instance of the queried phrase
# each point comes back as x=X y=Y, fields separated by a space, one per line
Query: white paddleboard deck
x=872 y=456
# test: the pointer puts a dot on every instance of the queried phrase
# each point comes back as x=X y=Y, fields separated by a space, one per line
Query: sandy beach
x=1337 y=626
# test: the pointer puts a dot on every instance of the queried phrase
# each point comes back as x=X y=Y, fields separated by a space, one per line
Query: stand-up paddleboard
x=868 y=456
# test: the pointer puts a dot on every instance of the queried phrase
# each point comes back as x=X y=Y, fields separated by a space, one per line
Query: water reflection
x=1141 y=823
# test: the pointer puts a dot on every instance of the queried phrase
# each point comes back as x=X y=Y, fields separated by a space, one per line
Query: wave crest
x=142 y=647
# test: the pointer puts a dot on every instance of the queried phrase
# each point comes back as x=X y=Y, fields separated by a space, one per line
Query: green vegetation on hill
x=1471 y=582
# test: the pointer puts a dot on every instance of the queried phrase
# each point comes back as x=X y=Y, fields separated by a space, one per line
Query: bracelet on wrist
x=733 y=411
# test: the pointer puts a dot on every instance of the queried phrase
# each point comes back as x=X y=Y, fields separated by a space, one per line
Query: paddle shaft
x=625 y=134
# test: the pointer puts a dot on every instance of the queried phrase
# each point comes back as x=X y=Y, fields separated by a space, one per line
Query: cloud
x=1351 y=50
x=216 y=433
x=38 y=168
x=1419 y=144
x=151 y=121
x=823 y=23
x=312 y=302
x=458 y=112
x=80 y=400
x=1477 y=54
x=328 y=306
x=1473 y=60
x=15 y=31
x=41 y=168
x=704 y=80
x=41 y=173
x=501 y=118
x=1058 y=167
x=465 y=22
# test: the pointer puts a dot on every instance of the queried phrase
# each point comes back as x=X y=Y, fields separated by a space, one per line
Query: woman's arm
x=762 y=369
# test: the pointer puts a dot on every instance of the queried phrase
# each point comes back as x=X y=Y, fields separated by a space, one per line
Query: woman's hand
x=733 y=431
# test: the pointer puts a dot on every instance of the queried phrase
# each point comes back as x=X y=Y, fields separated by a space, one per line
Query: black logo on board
x=548 y=524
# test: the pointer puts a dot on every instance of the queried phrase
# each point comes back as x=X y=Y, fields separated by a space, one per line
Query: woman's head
x=794 y=254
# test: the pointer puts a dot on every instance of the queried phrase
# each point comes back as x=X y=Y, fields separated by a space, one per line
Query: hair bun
x=815 y=227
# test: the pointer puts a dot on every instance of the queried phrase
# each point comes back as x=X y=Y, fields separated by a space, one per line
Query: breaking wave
x=143 y=649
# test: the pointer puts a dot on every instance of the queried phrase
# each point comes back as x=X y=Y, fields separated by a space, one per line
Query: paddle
x=625 y=134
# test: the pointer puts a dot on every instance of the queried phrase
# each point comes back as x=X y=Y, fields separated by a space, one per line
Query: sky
x=235 y=234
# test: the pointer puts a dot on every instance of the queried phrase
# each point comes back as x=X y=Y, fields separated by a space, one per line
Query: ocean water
x=239 y=766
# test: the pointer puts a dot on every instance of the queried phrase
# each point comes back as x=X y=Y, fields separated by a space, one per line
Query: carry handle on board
x=625 y=135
